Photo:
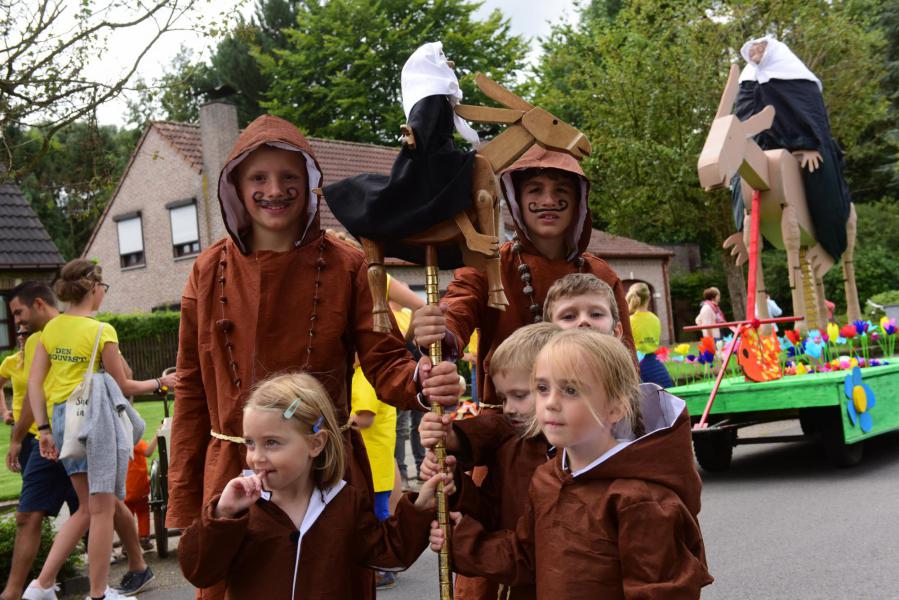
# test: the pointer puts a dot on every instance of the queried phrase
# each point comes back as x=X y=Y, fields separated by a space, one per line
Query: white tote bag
x=76 y=409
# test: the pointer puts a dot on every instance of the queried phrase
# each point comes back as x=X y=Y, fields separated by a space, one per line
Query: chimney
x=218 y=132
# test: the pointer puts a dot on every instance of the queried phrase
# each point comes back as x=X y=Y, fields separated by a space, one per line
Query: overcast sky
x=531 y=18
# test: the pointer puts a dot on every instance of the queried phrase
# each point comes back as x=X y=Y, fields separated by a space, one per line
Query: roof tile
x=23 y=240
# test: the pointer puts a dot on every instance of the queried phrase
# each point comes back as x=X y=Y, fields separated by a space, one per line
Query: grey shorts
x=72 y=466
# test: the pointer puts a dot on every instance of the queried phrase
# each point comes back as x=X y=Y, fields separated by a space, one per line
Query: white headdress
x=427 y=74
x=778 y=62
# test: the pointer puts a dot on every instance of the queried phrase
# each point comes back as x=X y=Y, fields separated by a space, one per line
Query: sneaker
x=134 y=581
x=146 y=543
x=112 y=594
x=384 y=580
x=34 y=591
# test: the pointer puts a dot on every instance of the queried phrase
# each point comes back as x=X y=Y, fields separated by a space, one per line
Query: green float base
x=736 y=396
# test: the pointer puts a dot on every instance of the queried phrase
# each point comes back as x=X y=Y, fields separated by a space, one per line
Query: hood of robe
x=275 y=132
x=778 y=62
x=538 y=157
x=663 y=455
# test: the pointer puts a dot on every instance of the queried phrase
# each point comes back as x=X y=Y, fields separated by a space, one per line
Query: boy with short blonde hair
x=583 y=300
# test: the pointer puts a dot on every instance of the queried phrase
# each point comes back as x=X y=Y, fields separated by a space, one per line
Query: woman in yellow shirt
x=647 y=330
x=12 y=369
x=60 y=361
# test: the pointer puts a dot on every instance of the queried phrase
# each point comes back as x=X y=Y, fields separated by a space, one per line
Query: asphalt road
x=779 y=524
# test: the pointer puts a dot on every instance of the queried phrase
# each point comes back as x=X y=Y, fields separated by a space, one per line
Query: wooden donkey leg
x=853 y=309
x=486 y=201
x=377 y=281
x=790 y=231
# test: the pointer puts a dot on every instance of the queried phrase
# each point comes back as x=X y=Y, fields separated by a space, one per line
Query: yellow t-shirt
x=68 y=341
x=30 y=345
x=647 y=329
x=380 y=438
x=403 y=319
x=13 y=370
x=473 y=343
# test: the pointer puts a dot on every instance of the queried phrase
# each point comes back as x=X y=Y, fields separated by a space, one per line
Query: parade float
x=841 y=382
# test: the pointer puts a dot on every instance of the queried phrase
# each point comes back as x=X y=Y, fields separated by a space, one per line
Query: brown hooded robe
x=265 y=301
x=625 y=527
x=466 y=295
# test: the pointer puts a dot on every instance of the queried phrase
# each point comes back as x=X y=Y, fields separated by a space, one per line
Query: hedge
x=142 y=325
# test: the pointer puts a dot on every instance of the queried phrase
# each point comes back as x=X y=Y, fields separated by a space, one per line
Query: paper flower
x=662 y=354
x=682 y=349
x=814 y=344
x=861 y=327
x=833 y=331
x=888 y=326
x=792 y=335
x=801 y=369
x=861 y=400
x=848 y=331
x=707 y=344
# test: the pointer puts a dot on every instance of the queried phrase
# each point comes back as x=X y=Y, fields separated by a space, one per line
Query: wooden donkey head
x=729 y=147
x=527 y=125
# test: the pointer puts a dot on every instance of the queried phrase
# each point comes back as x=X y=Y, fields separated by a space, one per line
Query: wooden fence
x=149 y=357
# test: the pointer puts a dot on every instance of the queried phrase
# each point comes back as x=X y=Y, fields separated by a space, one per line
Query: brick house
x=165 y=210
x=26 y=253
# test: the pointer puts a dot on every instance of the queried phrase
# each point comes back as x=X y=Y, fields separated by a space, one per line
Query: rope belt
x=485 y=405
x=226 y=438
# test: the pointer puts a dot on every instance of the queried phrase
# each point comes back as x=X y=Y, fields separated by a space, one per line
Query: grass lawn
x=11 y=483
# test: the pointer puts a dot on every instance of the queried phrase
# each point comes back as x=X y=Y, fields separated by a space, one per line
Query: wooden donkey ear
x=759 y=122
x=725 y=107
x=500 y=94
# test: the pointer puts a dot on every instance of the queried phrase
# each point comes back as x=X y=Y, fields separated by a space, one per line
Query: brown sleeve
x=190 y=423
x=384 y=358
x=208 y=547
x=480 y=437
x=466 y=300
x=395 y=543
x=475 y=501
x=661 y=552
x=502 y=556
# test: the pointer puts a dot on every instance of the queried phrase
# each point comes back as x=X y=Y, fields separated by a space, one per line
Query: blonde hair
x=520 y=350
x=76 y=279
x=637 y=297
x=579 y=284
x=278 y=393
x=710 y=293
x=588 y=358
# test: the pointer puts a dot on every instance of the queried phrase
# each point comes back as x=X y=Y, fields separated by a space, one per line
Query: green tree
x=70 y=186
x=339 y=75
x=46 y=45
x=644 y=87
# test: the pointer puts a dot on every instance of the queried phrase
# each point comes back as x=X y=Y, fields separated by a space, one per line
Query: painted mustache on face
x=280 y=202
x=532 y=208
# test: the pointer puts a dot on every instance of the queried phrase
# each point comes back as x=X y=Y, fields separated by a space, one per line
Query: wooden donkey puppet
x=785 y=220
x=476 y=230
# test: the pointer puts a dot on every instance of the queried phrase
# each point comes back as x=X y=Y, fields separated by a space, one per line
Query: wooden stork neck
x=754 y=168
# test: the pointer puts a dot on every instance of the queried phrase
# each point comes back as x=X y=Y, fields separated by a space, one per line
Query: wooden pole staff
x=432 y=290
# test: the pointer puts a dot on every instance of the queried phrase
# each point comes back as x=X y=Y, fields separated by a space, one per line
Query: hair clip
x=288 y=412
x=317 y=426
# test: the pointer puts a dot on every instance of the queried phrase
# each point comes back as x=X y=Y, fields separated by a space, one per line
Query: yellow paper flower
x=833 y=332
x=800 y=369
x=682 y=349
x=884 y=321
x=853 y=363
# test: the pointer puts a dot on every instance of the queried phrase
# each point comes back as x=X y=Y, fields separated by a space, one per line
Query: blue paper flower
x=814 y=344
x=861 y=400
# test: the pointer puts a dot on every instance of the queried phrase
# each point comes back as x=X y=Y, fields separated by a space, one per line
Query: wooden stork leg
x=853 y=309
x=820 y=306
x=377 y=281
x=790 y=231
x=486 y=201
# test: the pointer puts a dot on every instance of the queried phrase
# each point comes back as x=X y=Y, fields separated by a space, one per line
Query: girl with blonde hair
x=292 y=522
x=647 y=330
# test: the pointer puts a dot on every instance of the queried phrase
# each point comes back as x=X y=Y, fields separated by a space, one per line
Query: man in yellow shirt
x=45 y=484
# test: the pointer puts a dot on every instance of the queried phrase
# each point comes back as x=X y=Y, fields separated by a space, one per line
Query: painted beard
x=563 y=206
x=275 y=203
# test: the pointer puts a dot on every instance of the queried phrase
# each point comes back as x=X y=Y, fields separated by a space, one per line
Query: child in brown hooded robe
x=546 y=192
x=614 y=514
x=276 y=295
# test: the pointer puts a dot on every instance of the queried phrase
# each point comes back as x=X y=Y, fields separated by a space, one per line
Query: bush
x=142 y=325
x=71 y=568
x=883 y=299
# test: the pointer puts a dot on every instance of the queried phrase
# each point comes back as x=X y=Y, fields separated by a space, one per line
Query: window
x=185 y=233
x=7 y=335
x=131 y=240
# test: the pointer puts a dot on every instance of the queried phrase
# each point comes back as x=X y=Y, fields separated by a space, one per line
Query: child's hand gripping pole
x=432 y=290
